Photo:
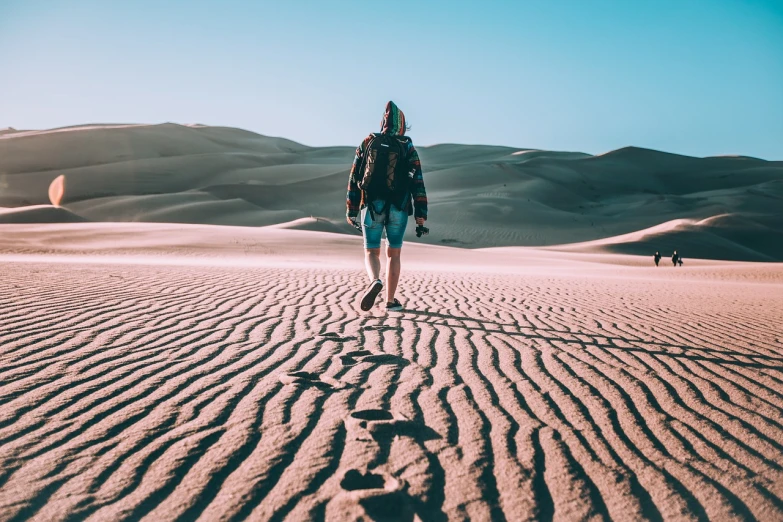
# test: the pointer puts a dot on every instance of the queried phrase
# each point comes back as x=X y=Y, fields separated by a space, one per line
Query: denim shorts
x=394 y=222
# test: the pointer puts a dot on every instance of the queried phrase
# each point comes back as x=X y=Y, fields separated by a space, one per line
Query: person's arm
x=354 y=196
x=418 y=191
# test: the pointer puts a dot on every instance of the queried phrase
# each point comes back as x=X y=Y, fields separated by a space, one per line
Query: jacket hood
x=393 y=120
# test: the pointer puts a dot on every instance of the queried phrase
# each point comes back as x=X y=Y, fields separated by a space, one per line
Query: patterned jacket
x=393 y=123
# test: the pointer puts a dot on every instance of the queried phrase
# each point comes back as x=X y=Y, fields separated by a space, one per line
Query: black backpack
x=384 y=171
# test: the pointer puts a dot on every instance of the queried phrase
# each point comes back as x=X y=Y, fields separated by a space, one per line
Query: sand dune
x=519 y=384
x=180 y=338
x=38 y=214
x=735 y=236
x=304 y=243
x=481 y=196
x=312 y=224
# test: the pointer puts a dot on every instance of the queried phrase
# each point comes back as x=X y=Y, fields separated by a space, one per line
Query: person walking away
x=675 y=258
x=385 y=187
x=657 y=258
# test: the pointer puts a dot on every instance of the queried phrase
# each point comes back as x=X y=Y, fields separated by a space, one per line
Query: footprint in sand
x=352 y=358
x=355 y=480
x=361 y=356
x=358 y=353
x=332 y=336
x=371 y=495
x=307 y=379
x=382 y=328
x=372 y=424
x=386 y=358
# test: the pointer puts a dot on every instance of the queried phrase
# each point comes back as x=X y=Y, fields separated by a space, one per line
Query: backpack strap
x=403 y=141
x=363 y=166
x=373 y=137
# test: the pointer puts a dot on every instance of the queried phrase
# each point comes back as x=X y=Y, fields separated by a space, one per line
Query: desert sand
x=182 y=372
x=180 y=337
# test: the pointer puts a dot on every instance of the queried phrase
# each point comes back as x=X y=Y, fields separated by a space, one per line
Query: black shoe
x=394 y=306
x=372 y=292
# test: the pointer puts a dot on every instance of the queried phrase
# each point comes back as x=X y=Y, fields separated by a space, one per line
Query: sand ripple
x=178 y=393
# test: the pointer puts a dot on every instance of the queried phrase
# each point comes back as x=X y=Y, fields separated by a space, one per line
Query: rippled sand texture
x=172 y=393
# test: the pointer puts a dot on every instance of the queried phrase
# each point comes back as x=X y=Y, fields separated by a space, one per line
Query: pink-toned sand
x=150 y=372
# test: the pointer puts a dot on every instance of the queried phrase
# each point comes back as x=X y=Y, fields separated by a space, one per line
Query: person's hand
x=420 y=221
x=352 y=221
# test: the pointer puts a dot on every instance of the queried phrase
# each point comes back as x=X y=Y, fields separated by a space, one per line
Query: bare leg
x=392 y=272
x=372 y=262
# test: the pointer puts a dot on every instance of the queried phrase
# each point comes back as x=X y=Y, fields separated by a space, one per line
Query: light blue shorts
x=394 y=223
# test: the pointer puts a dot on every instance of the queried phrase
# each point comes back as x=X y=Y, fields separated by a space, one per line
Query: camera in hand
x=421 y=229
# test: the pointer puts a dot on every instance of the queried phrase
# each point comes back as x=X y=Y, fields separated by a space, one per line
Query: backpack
x=384 y=171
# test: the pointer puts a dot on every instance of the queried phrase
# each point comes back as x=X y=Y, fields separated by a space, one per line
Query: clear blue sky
x=698 y=77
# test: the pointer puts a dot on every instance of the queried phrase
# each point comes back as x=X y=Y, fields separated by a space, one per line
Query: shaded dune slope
x=481 y=196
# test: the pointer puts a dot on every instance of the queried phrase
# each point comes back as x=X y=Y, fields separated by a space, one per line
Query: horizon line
x=10 y=130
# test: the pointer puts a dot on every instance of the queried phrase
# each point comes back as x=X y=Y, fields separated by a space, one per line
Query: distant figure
x=384 y=188
x=676 y=259
x=657 y=258
x=679 y=260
